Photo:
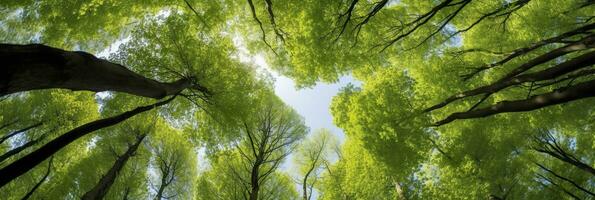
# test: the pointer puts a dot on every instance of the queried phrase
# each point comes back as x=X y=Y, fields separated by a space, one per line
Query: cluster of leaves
x=404 y=136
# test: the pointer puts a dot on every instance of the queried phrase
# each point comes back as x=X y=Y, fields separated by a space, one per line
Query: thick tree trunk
x=36 y=66
x=103 y=186
x=26 y=163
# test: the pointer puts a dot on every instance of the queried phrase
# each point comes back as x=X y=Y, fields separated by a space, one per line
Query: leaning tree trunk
x=103 y=186
x=28 y=162
x=36 y=66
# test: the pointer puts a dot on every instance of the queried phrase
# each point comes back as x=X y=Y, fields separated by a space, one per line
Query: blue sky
x=311 y=103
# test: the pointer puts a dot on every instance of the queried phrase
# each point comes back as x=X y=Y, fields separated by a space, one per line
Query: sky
x=312 y=103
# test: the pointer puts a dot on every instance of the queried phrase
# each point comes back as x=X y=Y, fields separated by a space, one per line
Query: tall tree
x=107 y=180
x=26 y=163
x=174 y=161
x=268 y=139
x=30 y=67
x=313 y=156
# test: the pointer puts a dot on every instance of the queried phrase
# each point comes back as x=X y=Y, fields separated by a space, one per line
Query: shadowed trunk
x=254 y=181
x=103 y=186
x=36 y=66
x=26 y=163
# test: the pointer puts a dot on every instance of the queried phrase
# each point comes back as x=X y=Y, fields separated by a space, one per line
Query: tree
x=174 y=161
x=358 y=175
x=45 y=176
x=313 y=156
x=219 y=180
x=32 y=159
x=107 y=180
x=197 y=99
x=269 y=139
x=56 y=68
x=459 y=99
x=249 y=165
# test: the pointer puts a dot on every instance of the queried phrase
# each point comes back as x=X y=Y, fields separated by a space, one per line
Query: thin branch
x=255 y=17
x=566 y=179
x=579 y=91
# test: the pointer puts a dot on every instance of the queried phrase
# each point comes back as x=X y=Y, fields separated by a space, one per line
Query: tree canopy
x=459 y=99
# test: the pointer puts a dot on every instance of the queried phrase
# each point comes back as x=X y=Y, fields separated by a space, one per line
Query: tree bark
x=578 y=91
x=512 y=78
x=26 y=163
x=254 y=181
x=162 y=187
x=36 y=66
x=305 y=184
x=103 y=186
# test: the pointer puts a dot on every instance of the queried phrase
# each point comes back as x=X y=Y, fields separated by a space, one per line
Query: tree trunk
x=32 y=159
x=162 y=186
x=305 y=187
x=36 y=66
x=103 y=186
x=254 y=182
x=582 y=61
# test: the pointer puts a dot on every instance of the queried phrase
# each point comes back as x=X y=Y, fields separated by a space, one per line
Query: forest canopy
x=454 y=99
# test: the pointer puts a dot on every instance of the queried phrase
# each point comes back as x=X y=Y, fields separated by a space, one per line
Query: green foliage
x=391 y=149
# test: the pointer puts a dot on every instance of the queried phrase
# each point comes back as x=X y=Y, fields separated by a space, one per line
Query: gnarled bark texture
x=37 y=66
